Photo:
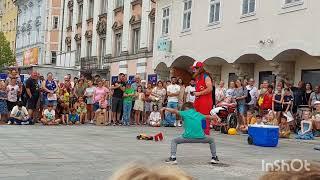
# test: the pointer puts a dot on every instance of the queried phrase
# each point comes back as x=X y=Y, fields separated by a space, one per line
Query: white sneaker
x=175 y=124
x=91 y=122
x=9 y=122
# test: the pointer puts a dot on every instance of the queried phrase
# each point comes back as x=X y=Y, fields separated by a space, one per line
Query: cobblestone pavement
x=91 y=152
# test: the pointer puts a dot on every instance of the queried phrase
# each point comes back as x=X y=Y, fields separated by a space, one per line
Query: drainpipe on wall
x=62 y=24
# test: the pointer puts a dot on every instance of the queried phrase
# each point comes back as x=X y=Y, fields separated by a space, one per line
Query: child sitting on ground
x=19 y=115
x=82 y=112
x=284 y=129
x=155 y=117
x=250 y=120
x=73 y=117
x=306 y=127
x=193 y=131
x=48 y=116
x=258 y=120
x=316 y=119
x=271 y=119
x=103 y=105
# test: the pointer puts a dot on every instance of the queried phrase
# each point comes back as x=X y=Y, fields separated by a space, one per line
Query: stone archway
x=162 y=71
x=181 y=68
x=289 y=63
x=214 y=66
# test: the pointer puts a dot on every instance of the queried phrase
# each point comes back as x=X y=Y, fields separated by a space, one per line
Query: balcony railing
x=89 y=63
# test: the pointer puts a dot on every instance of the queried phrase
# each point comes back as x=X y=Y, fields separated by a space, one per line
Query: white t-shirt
x=154 y=116
x=16 y=112
x=173 y=88
x=49 y=114
x=254 y=94
x=188 y=90
x=13 y=93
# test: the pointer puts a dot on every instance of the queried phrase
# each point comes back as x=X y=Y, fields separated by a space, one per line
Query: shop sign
x=164 y=45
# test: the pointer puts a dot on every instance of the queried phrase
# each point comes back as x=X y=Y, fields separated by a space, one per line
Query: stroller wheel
x=250 y=140
x=232 y=120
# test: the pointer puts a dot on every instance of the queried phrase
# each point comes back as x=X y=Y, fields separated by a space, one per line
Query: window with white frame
x=80 y=13
x=248 y=7
x=53 y=57
x=187 y=4
x=91 y=6
x=151 y=40
x=102 y=48
x=89 y=48
x=118 y=44
x=78 y=53
x=214 y=16
x=55 y=22
x=70 y=17
x=119 y=3
x=165 y=20
x=103 y=6
x=135 y=40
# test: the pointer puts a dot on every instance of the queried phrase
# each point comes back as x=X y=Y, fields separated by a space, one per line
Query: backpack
x=248 y=98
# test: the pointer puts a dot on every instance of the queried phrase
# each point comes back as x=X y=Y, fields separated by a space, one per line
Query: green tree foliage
x=6 y=56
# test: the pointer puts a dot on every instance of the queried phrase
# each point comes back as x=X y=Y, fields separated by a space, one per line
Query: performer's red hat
x=197 y=64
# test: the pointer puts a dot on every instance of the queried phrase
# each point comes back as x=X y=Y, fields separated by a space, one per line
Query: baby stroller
x=228 y=118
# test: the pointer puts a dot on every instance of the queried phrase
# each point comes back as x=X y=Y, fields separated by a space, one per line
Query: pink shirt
x=100 y=92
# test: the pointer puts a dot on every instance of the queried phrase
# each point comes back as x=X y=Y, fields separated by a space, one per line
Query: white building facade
x=37 y=38
x=261 y=39
x=109 y=37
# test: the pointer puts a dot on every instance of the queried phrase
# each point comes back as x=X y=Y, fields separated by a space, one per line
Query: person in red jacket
x=203 y=102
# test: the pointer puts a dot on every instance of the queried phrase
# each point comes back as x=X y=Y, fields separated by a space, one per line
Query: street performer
x=203 y=102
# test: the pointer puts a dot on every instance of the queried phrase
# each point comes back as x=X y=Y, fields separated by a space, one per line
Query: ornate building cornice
x=70 y=4
x=101 y=27
x=116 y=26
x=88 y=34
x=152 y=13
x=68 y=41
x=135 y=20
x=77 y=38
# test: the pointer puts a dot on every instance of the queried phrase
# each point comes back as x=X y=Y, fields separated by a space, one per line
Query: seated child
x=284 y=129
x=193 y=131
x=271 y=119
x=306 y=127
x=155 y=117
x=316 y=119
x=250 y=120
x=103 y=105
x=49 y=116
x=82 y=112
x=73 y=117
x=258 y=120
x=19 y=115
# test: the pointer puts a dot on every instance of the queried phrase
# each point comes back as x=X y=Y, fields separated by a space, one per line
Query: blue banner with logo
x=131 y=78
x=114 y=79
x=152 y=78
x=3 y=76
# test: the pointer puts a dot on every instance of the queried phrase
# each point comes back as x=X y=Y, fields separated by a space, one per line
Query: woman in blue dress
x=3 y=100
